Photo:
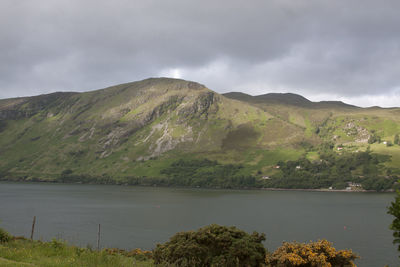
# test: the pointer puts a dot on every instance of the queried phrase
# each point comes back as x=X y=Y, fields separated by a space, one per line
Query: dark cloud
x=347 y=50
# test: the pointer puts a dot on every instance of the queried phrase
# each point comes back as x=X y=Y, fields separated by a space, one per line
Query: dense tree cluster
x=67 y=176
x=184 y=172
x=207 y=173
x=335 y=170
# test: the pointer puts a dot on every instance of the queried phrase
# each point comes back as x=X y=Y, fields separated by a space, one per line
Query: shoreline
x=212 y=188
x=326 y=190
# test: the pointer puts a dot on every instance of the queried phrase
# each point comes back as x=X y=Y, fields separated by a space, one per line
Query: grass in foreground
x=22 y=252
x=212 y=245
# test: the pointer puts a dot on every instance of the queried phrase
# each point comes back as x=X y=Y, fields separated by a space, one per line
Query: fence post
x=33 y=227
x=98 y=239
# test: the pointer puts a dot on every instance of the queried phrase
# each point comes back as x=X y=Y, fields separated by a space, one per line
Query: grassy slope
x=54 y=254
x=115 y=131
x=139 y=128
x=335 y=122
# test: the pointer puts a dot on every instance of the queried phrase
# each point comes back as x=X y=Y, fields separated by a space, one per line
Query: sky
x=322 y=49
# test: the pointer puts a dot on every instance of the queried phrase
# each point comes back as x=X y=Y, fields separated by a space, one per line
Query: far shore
x=214 y=188
x=327 y=190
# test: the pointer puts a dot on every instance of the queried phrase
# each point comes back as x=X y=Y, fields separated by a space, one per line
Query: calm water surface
x=139 y=217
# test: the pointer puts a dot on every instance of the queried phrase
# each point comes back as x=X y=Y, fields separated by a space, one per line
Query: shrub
x=319 y=253
x=66 y=172
x=57 y=244
x=394 y=210
x=4 y=236
x=137 y=253
x=213 y=245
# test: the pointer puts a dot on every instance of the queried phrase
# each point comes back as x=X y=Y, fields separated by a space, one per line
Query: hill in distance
x=139 y=129
x=286 y=99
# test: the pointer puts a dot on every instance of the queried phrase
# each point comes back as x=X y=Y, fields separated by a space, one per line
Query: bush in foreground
x=394 y=210
x=319 y=253
x=4 y=236
x=213 y=245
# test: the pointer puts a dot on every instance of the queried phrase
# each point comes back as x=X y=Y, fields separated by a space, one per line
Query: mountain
x=286 y=99
x=139 y=129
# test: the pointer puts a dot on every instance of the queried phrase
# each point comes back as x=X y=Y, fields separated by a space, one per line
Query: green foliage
x=4 y=236
x=23 y=252
x=306 y=145
x=68 y=176
x=334 y=170
x=213 y=245
x=325 y=170
x=66 y=172
x=396 y=140
x=207 y=173
x=394 y=209
x=57 y=244
x=326 y=146
x=378 y=183
x=374 y=138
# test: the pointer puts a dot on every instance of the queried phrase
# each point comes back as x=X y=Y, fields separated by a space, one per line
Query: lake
x=140 y=217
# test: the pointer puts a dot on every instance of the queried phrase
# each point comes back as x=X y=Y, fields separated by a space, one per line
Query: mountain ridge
x=269 y=97
x=286 y=98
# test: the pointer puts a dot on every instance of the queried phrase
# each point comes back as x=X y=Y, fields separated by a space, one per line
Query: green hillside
x=139 y=130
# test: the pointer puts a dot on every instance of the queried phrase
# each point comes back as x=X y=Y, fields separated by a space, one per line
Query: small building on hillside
x=351 y=184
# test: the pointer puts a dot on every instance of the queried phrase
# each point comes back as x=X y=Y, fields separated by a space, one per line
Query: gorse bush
x=319 y=253
x=213 y=245
x=137 y=253
x=4 y=236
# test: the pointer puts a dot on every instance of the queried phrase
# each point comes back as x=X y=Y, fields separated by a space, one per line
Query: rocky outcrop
x=200 y=107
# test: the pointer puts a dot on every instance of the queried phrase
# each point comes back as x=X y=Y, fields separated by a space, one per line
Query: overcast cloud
x=323 y=50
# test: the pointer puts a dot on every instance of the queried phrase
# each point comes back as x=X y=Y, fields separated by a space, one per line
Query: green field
x=393 y=151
